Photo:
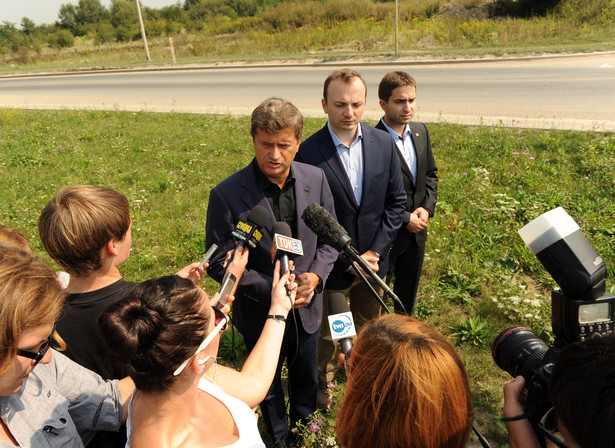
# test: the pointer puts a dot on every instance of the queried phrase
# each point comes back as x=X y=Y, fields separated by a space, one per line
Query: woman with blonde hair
x=45 y=399
x=407 y=387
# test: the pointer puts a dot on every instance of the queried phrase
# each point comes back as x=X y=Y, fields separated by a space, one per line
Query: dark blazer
x=231 y=201
x=422 y=191
x=374 y=223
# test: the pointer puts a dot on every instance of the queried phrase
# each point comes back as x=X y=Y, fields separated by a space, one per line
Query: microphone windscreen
x=258 y=216
x=320 y=221
x=282 y=228
x=338 y=304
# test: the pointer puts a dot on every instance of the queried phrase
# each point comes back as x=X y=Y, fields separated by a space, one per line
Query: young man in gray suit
x=397 y=93
x=362 y=167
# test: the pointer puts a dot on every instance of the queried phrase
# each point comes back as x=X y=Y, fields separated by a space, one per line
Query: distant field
x=478 y=277
x=213 y=31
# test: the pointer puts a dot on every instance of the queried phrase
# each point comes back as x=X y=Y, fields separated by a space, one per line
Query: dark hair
x=393 y=80
x=155 y=327
x=407 y=388
x=275 y=114
x=582 y=391
x=344 y=74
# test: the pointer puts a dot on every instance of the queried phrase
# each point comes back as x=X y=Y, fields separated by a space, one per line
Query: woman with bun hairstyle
x=406 y=387
x=45 y=398
x=168 y=331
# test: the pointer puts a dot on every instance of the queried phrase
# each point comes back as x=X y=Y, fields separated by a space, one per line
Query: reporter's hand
x=514 y=399
x=281 y=303
x=520 y=432
x=193 y=272
x=227 y=306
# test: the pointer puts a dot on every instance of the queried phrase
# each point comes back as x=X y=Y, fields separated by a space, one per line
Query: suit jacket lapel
x=329 y=152
x=303 y=190
x=405 y=169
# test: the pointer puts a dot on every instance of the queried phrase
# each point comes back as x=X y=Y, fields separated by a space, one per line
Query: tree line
x=118 y=23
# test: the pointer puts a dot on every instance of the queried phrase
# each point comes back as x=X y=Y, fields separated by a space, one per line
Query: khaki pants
x=364 y=307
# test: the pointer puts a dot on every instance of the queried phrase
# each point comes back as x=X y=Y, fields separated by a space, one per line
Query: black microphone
x=341 y=323
x=320 y=221
x=249 y=231
x=284 y=246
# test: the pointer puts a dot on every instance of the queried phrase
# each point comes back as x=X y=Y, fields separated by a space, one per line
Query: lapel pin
x=416 y=134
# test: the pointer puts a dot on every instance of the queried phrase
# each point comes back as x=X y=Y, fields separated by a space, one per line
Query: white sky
x=46 y=11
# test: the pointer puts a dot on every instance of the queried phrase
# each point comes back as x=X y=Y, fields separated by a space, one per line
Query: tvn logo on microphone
x=342 y=326
x=288 y=244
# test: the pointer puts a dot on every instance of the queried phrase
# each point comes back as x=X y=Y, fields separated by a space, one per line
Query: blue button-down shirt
x=352 y=159
x=405 y=146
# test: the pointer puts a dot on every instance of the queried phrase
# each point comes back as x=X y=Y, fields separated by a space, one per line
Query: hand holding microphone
x=284 y=247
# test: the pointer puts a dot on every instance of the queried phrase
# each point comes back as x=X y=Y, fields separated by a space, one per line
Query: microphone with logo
x=284 y=246
x=249 y=232
x=341 y=324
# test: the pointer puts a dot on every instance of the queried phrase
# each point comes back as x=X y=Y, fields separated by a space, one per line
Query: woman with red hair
x=407 y=387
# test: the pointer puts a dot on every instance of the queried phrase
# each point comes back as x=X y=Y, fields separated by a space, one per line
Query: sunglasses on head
x=220 y=322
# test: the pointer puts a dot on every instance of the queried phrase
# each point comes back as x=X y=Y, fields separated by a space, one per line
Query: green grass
x=493 y=181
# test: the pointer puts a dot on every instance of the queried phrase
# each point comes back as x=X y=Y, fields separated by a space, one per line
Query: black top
x=282 y=201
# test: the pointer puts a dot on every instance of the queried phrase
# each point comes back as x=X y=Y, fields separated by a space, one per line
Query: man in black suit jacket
x=397 y=93
x=363 y=171
x=285 y=188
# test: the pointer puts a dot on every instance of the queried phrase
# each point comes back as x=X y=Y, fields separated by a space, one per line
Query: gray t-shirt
x=59 y=400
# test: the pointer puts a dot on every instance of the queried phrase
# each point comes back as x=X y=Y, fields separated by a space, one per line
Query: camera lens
x=518 y=351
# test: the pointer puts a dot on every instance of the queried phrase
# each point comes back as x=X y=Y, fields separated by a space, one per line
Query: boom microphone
x=284 y=246
x=341 y=323
x=320 y=221
x=249 y=231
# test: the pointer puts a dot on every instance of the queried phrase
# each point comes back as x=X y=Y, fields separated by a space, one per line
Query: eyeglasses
x=221 y=323
x=548 y=428
x=37 y=356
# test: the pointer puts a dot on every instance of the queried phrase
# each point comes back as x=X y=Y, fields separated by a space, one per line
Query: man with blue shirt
x=362 y=168
x=397 y=93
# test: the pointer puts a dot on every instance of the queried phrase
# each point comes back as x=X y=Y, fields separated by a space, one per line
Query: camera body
x=580 y=310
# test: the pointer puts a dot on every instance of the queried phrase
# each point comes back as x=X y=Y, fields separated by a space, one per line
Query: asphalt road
x=572 y=92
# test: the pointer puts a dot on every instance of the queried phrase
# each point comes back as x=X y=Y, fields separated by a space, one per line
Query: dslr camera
x=581 y=309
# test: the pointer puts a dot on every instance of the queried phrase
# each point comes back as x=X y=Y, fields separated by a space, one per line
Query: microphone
x=284 y=246
x=320 y=221
x=341 y=323
x=249 y=231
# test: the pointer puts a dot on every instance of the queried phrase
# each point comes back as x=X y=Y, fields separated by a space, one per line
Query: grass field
x=323 y=30
x=478 y=277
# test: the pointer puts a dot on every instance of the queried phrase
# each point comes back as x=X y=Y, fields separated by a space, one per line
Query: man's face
x=275 y=152
x=401 y=106
x=345 y=104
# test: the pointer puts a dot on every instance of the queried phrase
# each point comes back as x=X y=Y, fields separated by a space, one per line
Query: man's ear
x=324 y=105
x=383 y=105
x=111 y=247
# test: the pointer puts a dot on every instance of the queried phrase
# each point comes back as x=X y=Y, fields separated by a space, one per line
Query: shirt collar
x=407 y=131
x=262 y=182
x=337 y=142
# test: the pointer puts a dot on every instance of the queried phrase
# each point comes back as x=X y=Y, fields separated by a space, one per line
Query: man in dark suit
x=285 y=188
x=363 y=171
x=397 y=93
